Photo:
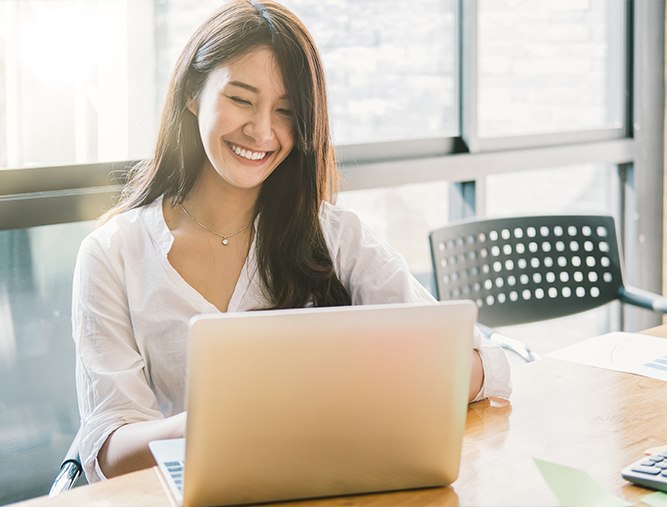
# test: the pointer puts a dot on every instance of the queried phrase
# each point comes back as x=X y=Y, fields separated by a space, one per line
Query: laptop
x=293 y=404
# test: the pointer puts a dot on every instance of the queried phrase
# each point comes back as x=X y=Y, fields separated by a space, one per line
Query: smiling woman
x=232 y=213
x=249 y=79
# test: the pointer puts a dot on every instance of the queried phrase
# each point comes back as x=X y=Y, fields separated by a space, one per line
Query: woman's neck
x=219 y=205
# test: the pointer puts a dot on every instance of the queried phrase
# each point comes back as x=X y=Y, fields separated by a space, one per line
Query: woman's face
x=245 y=119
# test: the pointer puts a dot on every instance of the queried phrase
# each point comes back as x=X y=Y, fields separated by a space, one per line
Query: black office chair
x=526 y=269
x=70 y=469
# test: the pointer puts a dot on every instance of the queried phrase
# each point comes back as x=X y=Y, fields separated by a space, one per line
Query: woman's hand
x=179 y=421
x=126 y=449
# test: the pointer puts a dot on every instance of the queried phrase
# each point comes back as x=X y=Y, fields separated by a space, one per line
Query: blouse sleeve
x=371 y=270
x=110 y=372
x=374 y=272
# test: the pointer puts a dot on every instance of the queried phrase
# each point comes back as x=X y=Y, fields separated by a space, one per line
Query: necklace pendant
x=224 y=242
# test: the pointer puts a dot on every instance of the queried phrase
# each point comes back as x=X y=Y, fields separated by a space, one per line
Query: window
x=584 y=189
x=391 y=67
x=550 y=66
x=84 y=81
x=74 y=91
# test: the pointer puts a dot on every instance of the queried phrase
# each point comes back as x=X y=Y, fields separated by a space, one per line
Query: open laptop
x=318 y=402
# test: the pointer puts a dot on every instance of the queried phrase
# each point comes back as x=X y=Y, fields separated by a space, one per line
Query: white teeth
x=247 y=154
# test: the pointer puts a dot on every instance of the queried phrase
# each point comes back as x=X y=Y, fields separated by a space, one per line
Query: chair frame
x=533 y=268
x=70 y=469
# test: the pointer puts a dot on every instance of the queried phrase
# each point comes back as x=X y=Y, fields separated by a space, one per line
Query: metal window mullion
x=55 y=207
x=550 y=139
x=354 y=154
x=645 y=218
x=469 y=73
x=468 y=167
x=75 y=176
x=628 y=102
x=463 y=197
x=628 y=231
x=462 y=200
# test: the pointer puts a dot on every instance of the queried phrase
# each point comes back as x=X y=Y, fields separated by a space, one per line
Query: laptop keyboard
x=175 y=469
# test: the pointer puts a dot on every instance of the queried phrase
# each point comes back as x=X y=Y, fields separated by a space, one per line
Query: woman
x=230 y=214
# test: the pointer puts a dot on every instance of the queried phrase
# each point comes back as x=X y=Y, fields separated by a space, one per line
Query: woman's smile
x=247 y=154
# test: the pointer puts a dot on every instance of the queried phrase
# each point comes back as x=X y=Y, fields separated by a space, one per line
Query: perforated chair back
x=526 y=269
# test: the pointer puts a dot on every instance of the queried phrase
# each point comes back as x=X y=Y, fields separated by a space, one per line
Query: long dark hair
x=294 y=262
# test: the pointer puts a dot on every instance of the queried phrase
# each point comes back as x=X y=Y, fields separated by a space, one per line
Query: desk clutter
x=626 y=352
x=576 y=488
x=649 y=471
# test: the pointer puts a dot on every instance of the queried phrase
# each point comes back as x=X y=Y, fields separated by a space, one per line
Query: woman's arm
x=111 y=375
x=126 y=449
x=476 y=376
x=373 y=272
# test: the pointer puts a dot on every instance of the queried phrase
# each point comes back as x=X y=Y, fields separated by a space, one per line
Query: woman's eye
x=239 y=100
x=285 y=112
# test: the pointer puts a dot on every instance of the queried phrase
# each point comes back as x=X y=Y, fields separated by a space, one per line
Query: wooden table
x=594 y=419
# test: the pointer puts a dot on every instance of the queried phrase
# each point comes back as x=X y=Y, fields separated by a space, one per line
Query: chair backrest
x=525 y=269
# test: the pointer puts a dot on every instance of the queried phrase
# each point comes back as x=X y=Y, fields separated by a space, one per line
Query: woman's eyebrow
x=251 y=88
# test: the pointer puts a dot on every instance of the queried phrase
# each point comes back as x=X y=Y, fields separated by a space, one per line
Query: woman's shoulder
x=128 y=229
x=333 y=216
x=343 y=228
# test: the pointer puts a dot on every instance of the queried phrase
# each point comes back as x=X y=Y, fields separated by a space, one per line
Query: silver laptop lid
x=316 y=402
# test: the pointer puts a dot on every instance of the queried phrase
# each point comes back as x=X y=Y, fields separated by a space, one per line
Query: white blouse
x=131 y=308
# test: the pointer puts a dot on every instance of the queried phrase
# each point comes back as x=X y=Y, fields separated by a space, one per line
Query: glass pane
x=391 y=66
x=550 y=66
x=38 y=408
x=403 y=217
x=586 y=189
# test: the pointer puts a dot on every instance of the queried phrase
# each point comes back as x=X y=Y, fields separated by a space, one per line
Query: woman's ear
x=192 y=105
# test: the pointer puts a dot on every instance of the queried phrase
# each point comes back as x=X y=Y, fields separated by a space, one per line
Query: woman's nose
x=260 y=127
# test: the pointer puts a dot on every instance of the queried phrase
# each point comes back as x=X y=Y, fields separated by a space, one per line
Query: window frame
x=470 y=81
x=48 y=195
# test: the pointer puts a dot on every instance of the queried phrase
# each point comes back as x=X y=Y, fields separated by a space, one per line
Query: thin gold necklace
x=224 y=238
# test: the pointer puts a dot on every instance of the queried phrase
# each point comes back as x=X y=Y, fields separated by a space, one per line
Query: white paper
x=628 y=352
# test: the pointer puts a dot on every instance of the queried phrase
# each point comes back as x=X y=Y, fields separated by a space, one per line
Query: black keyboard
x=650 y=472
